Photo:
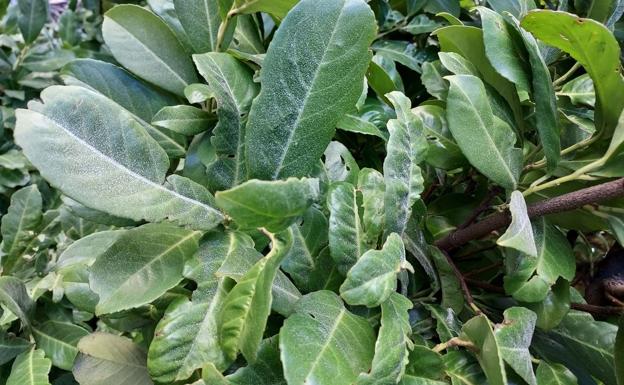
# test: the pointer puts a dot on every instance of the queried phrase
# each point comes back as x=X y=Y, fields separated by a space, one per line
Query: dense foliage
x=328 y=192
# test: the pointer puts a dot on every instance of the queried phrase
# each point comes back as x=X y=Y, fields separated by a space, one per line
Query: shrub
x=323 y=192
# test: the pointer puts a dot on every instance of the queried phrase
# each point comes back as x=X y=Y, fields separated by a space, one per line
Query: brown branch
x=598 y=310
x=566 y=202
x=484 y=205
x=462 y=283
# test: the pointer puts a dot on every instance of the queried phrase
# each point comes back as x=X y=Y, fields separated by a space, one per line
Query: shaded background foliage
x=341 y=263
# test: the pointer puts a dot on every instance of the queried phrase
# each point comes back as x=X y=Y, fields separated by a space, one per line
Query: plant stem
x=462 y=283
x=455 y=341
x=567 y=75
x=568 y=178
x=599 y=310
x=566 y=202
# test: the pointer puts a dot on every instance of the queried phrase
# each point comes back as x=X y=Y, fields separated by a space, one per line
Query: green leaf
x=20 y=225
x=185 y=120
x=594 y=47
x=58 y=340
x=33 y=14
x=346 y=236
x=303 y=96
x=580 y=91
x=502 y=50
x=457 y=64
x=125 y=169
x=529 y=278
x=591 y=341
x=452 y=296
x=423 y=364
x=406 y=148
x=383 y=77
x=514 y=338
x=11 y=347
x=15 y=298
x=145 y=45
x=518 y=8
x=309 y=239
x=554 y=374
x=546 y=114
x=141 y=266
x=433 y=79
x=233 y=86
x=373 y=278
x=371 y=184
x=274 y=205
x=140 y=99
x=479 y=330
x=402 y=52
x=247 y=306
x=421 y=24
x=519 y=234
x=30 y=368
x=463 y=369
x=393 y=342
x=554 y=307
x=486 y=140
x=325 y=344
x=106 y=359
x=277 y=8
x=267 y=370
x=201 y=21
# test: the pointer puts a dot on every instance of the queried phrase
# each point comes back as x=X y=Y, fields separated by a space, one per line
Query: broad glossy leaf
x=166 y=11
x=346 y=236
x=554 y=307
x=546 y=114
x=309 y=239
x=421 y=24
x=479 y=330
x=241 y=256
x=402 y=52
x=487 y=141
x=126 y=168
x=383 y=77
x=393 y=343
x=303 y=96
x=140 y=99
x=107 y=359
x=519 y=234
x=14 y=297
x=580 y=91
x=30 y=368
x=373 y=278
x=518 y=8
x=433 y=79
x=20 y=224
x=457 y=64
x=502 y=49
x=267 y=370
x=406 y=149
x=247 y=306
x=591 y=44
x=591 y=341
x=201 y=21
x=325 y=344
x=514 y=338
x=33 y=16
x=424 y=364
x=141 y=266
x=11 y=347
x=233 y=86
x=58 y=340
x=468 y=42
x=185 y=120
x=145 y=45
x=277 y=8
x=554 y=374
x=274 y=205
x=463 y=369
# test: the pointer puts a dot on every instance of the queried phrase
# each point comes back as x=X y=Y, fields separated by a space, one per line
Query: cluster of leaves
x=251 y=192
